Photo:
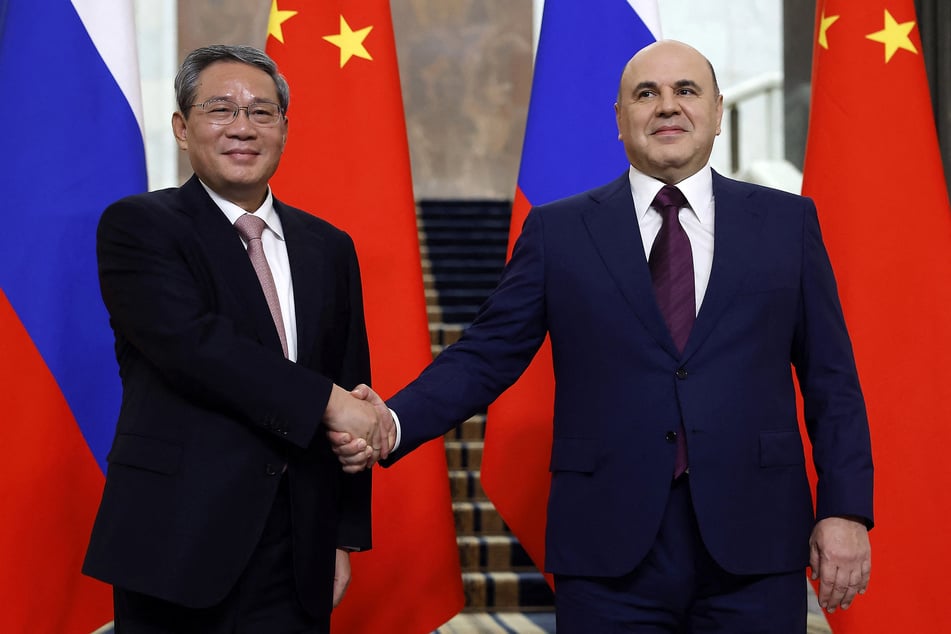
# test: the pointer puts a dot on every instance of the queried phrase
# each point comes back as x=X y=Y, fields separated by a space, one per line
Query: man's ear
x=180 y=130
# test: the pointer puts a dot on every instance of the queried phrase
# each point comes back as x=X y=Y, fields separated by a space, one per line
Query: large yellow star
x=824 y=24
x=276 y=19
x=350 y=42
x=894 y=36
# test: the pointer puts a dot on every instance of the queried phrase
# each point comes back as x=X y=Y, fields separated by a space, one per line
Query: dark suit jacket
x=579 y=273
x=212 y=411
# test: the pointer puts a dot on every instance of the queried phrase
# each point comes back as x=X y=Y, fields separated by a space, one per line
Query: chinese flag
x=584 y=45
x=873 y=168
x=347 y=161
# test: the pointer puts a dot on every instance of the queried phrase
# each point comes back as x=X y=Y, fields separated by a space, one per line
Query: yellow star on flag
x=276 y=19
x=894 y=36
x=350 y=42
x=824 y=24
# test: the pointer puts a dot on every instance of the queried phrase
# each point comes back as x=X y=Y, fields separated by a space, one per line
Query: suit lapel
x=612 y=224
x=229 y=261
x=306 y=254
x=738 y=222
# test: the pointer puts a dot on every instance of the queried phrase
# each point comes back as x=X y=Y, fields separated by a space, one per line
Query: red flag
x=51 y=483
x=584 y=45
x=874 y=170
x=347 y=161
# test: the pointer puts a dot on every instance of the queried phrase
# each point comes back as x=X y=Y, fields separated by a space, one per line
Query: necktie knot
x=250 y=227
x=668 y=201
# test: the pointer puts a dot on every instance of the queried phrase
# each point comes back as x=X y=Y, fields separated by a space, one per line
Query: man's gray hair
x=186 y=81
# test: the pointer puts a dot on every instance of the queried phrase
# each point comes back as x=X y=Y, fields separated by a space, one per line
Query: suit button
x=270 y=470
x=671 y=436
x=681 y=373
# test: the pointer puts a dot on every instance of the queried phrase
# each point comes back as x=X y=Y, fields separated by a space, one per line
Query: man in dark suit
x=637 y=542
x=224 y=508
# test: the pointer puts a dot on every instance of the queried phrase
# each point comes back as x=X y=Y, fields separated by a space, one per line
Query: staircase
x=463 y=247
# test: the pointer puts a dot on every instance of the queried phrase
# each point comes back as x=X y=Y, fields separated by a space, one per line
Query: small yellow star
x=824 y=24
x=275 y=20
x=894 y=36
x=350 y=42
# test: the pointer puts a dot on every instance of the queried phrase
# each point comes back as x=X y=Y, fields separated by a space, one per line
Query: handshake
x=360 y=427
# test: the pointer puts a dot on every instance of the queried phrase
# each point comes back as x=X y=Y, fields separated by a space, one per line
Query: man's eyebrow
x=688 y=83
x=652 y=85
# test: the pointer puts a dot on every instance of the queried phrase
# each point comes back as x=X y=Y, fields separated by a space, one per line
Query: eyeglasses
x=224 y=111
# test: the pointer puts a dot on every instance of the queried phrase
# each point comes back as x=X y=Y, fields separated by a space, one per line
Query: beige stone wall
x=465 y=67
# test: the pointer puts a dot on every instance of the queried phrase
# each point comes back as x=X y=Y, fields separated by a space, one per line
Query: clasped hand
x=359 y=426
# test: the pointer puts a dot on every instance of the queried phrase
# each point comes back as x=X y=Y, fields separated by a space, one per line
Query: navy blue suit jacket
x=579 y=273
x=211 y=410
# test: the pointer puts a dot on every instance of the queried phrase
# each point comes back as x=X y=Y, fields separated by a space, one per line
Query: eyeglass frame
x=238 y=108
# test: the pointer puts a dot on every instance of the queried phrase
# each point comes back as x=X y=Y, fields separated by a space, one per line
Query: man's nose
x=242 y=126
x=668 y=102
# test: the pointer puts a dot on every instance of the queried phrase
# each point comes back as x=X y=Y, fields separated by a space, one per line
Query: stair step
x=451 y=279
x=457 y=264
x=464 y=236
x=466 y=485
x=452 y=297
x=478 y=518
x=506 y=590
x=482 y=622
x=493 y=553
x=461 y=314
x=494 y=224
x=464 y=454
x=444 y=334
x=466 y=251
x=472 y=429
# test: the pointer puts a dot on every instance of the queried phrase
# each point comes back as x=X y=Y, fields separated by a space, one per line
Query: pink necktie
x=251 y=227
x=671 y=266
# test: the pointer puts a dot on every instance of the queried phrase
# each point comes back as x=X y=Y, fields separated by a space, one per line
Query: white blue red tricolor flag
x=72 y=144
x=571 y=145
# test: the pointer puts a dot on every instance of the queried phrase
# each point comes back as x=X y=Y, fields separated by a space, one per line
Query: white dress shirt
x=275 y=251
x=697 y=219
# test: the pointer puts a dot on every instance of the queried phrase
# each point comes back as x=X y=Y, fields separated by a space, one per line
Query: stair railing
x=753 y=121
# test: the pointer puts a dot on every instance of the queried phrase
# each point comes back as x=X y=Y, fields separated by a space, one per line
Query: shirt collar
x=265 y=212
x=697 y=189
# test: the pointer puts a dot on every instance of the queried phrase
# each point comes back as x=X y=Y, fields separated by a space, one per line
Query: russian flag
x=571 y=145
x=73 y=144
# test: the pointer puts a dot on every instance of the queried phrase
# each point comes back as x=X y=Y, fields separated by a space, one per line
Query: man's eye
x=219 y=109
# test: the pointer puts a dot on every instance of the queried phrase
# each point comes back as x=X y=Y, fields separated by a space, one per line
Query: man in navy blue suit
x=635 y=545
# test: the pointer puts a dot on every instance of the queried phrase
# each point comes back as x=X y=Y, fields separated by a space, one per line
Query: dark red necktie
x=671 y=266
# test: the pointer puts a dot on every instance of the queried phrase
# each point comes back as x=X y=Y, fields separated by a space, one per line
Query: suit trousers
x=264 y=600
x=679 y=588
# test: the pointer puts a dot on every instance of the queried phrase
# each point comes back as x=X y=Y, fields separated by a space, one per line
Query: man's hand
x=341 y=575
x=841 y=559
x=359 y=444
x=369 y=429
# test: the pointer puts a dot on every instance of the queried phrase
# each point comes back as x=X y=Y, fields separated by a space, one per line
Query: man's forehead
x=669 y=67
x=228 y=75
